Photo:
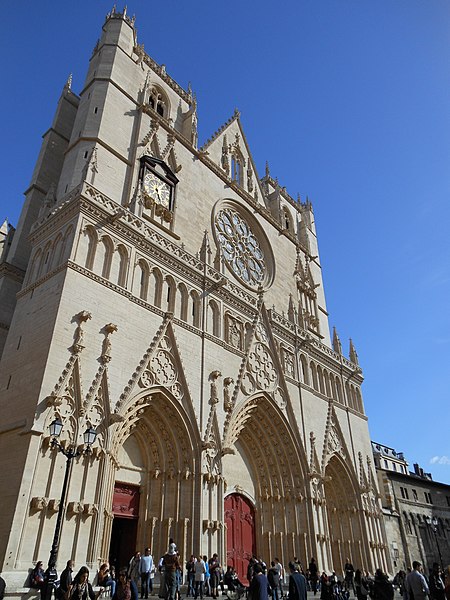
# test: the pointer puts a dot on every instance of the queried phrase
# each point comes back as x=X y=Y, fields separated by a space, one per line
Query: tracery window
x=158 y=101
x=240 y=247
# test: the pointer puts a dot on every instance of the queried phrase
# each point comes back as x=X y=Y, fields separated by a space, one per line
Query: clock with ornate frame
x=158 y=184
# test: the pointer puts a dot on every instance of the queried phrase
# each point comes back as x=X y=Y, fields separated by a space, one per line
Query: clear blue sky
x=349 y=102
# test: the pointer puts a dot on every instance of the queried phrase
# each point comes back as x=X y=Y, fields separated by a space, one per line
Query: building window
x=428 y=498
x=394 y=466
x=448 y=500
x=404 y=493
x=386 y=464
x=236 y=170
x=415 y=494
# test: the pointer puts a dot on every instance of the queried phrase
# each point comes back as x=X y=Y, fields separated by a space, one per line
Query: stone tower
x=167 y=296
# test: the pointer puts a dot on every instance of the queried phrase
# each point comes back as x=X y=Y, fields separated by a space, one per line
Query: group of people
x=78 y=587
x=206 y=577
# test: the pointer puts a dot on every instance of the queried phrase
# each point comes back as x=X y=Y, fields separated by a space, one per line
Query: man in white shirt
x=145 y=569
x=416 y=585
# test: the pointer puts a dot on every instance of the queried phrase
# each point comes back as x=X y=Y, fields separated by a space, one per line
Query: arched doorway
x=125 y=509
x=343 y=514
x=240 y=522
x=154 y=452
x=263 y=460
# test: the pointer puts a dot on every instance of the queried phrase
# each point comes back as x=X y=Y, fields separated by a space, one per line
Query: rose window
x=240 y=247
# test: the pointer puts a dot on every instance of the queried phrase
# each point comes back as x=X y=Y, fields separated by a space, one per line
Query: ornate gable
x=229 y=150
x=161 y=366
x=334 y=441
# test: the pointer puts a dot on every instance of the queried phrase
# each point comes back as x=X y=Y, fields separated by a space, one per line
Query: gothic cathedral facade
x=166 y=296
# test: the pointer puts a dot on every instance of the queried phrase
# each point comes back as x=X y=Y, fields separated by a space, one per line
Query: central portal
x=240 y=521
x=124 y=529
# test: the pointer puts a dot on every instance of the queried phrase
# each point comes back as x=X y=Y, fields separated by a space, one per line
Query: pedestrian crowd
x=207 y=577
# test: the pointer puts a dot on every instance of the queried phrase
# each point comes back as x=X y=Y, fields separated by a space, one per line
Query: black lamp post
x=434 y=526
x=89 y=438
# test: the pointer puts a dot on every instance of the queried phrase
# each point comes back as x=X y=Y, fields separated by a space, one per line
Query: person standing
x=416 y=585
x=436 y=583
x=65 y=581
x=349 y=574
x=171 y=566
x=297 y=583
x=145 y=569
x=214 y=574
x=190 y=575
x=280 y=569
x=382 y=587
x=273 y=577
x=361 y=585
x=199 y=577
x=207 y=576
x=134 y=568
x=259 y=586
x=313 y=574
x=37 y=576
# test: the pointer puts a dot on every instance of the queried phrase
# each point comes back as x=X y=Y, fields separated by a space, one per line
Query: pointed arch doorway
x=125 y=522
x=240 y=522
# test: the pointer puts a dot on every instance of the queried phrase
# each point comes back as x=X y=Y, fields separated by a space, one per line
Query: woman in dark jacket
x=81 y=588
x=382 y=587
x=126 y=588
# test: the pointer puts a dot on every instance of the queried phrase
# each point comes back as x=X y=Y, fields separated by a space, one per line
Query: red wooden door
x=240 y=520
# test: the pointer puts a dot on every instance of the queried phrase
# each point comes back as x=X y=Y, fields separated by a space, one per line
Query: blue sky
x=349 y=101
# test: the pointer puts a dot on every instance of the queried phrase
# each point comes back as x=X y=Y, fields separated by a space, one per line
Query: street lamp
x=434 y=523
x=89 y=436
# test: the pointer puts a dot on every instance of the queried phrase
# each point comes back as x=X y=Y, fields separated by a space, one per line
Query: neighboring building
x=173 y=301
x=416 y=511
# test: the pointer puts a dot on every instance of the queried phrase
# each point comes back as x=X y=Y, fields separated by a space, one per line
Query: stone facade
x=167 y=296
x=416 y=511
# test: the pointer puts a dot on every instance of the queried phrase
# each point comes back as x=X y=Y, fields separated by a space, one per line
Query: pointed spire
x=337 y=346
x=352 y=353
x=267 y=169
x=4 y=228
x=68 y=84
x=292 y=312
x=205 y=250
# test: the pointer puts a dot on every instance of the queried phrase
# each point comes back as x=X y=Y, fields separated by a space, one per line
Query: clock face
x=158 y=189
